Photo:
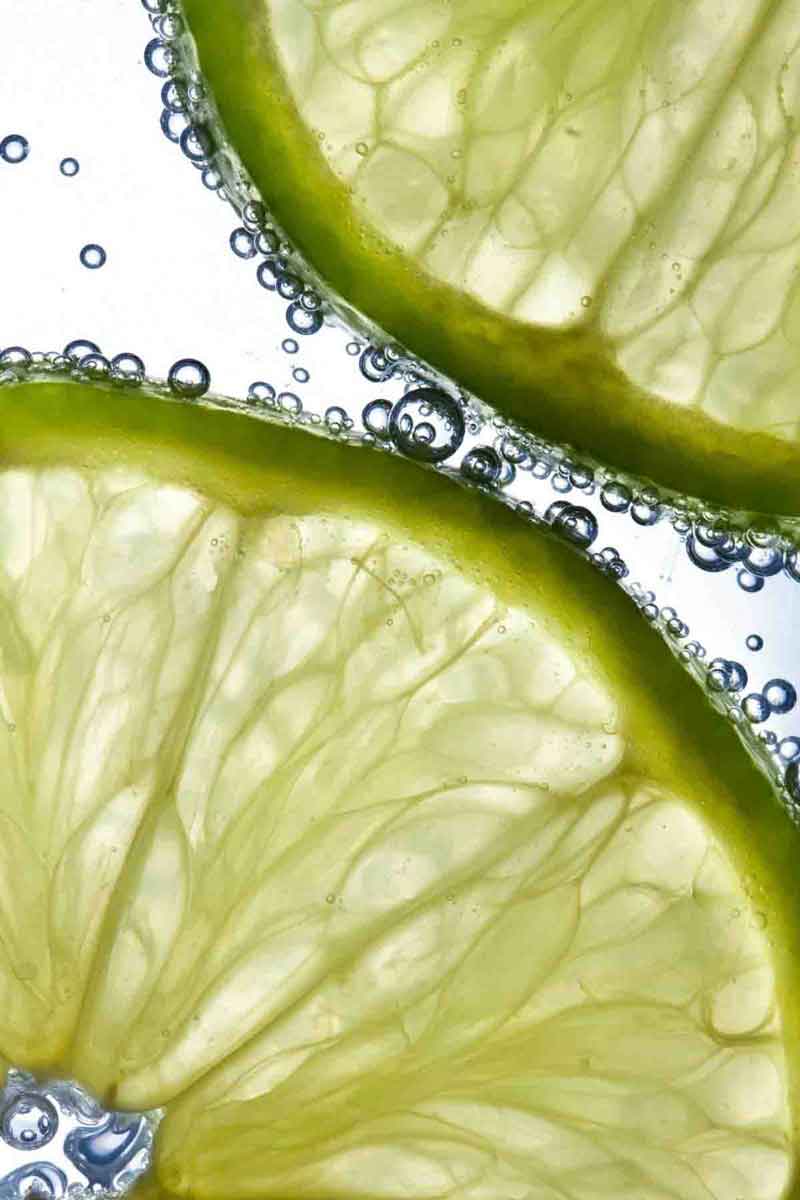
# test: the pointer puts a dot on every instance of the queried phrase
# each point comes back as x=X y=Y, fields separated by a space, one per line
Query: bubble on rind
x=260 y=392
x=756 y=708
x=482 y=465
x=375 y=416
x=159 y=58
x=15 y=356
x=427 y=425
x=189 y=377
x=792 y=780
x=616 y=497
x=79 y=348
x=578 y=525
x=128 y=368
x=29 y=1121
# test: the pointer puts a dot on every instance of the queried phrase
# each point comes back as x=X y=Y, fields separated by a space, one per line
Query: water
x=57 y=1141
x=209 y=298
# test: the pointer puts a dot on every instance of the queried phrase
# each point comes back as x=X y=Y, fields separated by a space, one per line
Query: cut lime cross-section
x=586 y=212
x=369 y=833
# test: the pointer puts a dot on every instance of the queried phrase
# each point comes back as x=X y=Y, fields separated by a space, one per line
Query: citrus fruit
x=587 y=213
x=368 y=832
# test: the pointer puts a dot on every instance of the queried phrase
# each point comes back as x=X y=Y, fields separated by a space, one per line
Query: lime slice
x=368 y=832
x=586 y=213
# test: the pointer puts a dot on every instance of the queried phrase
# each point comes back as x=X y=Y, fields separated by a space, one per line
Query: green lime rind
x=563 y=385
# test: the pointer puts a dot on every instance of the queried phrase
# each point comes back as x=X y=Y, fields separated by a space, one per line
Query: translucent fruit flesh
x=584 y=211
x=387 y=873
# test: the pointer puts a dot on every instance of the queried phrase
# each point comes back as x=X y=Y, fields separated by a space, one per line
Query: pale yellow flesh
x=629 y=165
x=310 y=839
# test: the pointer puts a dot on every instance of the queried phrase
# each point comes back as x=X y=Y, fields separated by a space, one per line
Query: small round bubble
x=300 y=375
x=616 y=497
x=376 y=418
x=789 y=749
x=159 y=58
x=576 y=524
x=127 y=368
x=173 y=125
x=79 y=348
x=261 y=392
x=482 y=465
x=289 y=346
x=69 y=167
x=14 y=148
x=303 y=320
x=792 y=780
x=189 y=377
x=267 y=274
x=171 y=97
x=290 y=403
x=337 y=419
x=15 y=356
x=242 y=243
x=93 y=256
x=754 y=641
x=289 y=286
x=756 y=708
x=195 y=143
x=764 y=561
x=29 y=1121
x=427 y=425
x=96 y=365
x=749 y=582
x=780 y=695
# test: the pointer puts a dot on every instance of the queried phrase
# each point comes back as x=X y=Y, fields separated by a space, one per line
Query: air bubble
x=376 y=418
x=127 y=368
x=754 y=642
x=303 y=320
x=159 y=58
x=289 y=346
x=267 y=241
x=792 y=565
x=337 y=419
x=427 y=425
x=189 y=377
x=789 y=749
x=289 y=286
x=300 y=375
x=37 y=1181
x=482 y=466
x=290 y=403
x=14 y=148
x=93 y=256
x=79 y=348
x=616 y=497
x=645 y=513
x=15 y=356
x=171 y=97
x=96 y=365
x=780 y=695
x=726 y=675
x=267 y=274
x=196 y=143
x=576 y=524
x=261 y=392
x=756 y=708
x=242 y=243
x=764 y=561
x=749 y=582
x=69 y=167
x=173 y=125
x=376 y=365
x=211 y=179
x=29 y=1121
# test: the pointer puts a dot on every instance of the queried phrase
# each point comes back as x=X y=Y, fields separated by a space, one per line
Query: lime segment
x=583 y=212
x=369 y=834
